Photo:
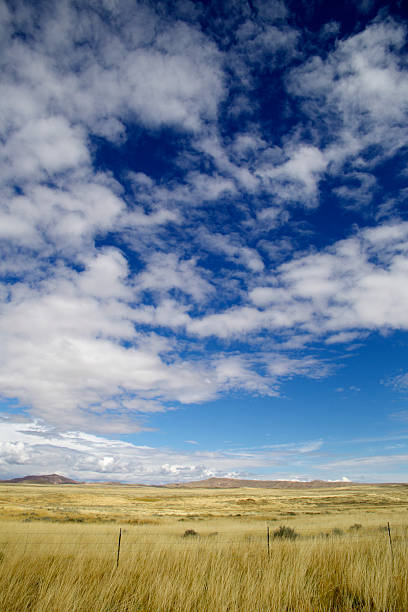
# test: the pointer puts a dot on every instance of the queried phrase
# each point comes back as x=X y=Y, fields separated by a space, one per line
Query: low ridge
x=234 y=483
x=209 y=483
x=50 y=479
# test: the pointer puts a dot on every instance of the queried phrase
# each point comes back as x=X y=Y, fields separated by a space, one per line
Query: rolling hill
x=48 y=479
x=233 y=483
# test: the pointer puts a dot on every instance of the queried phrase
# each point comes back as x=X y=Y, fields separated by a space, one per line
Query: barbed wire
x=84 y=538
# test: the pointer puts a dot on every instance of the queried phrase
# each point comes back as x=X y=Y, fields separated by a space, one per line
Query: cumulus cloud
x=353 y=286
x=117 y=275
x=88 y=456
x=358 y=94
x=67 y=216
x=13 y=453
x=63 y=348
x=78 y=65
x=165 y=271
x=298 y=176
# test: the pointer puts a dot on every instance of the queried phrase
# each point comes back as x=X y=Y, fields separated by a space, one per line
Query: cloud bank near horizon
x=33 y=446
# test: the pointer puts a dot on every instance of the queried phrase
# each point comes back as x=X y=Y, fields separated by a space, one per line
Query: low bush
x=355 y=527
x=337 y=532
x=189 y=533
x=285 y=532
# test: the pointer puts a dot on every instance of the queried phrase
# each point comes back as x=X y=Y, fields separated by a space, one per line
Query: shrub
x=356 y=527
x=285 y=532
x=337 y=532
x=189 y=533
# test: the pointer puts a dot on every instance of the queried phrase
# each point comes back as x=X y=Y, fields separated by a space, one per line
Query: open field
x=126 y=503
x=58 y=549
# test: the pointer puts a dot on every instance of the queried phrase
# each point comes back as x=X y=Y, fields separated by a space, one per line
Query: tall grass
x=73 y=568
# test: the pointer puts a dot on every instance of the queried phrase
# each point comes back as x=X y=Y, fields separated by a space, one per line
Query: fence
x=124 y=538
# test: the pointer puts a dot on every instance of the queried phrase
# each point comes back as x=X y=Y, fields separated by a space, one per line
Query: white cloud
x=303 y=170
x=355 y=285
x=143 y=68
x=165 y=271
x=209 y=187
x=376 y=461
x=41 y=148
x=358 y=91
x=86 y=456
x=66 y=216
x=232 y=247
x=360 y=192
x=399 y=382
x=63 y=352
x=13 y=453
x=80 y=323
x=280 y=366
x=233 y=322
x=262 y=296
x=345 y=337
x=235 y=372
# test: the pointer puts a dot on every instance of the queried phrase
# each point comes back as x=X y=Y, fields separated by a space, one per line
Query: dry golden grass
x=62 y=566
x=130 y=503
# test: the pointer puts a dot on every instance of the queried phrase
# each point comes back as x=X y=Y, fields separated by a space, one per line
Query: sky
x=204 y=239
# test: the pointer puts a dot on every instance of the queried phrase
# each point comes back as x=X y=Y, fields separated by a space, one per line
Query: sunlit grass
x=71 y=566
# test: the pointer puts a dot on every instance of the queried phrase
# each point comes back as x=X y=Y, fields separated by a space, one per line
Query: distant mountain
x=232 y=483
x=50 y=479
x=209 y=483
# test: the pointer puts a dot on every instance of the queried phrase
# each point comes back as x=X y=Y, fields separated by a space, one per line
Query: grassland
x=58 y=549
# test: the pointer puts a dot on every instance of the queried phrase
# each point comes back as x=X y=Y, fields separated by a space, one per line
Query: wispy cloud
x=377 y=461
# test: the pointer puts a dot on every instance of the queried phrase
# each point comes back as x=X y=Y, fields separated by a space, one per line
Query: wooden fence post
x=389 y=537
x=267 y=538
x=120 y=537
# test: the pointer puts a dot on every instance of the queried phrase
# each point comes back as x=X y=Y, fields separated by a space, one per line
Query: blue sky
x=204 y=240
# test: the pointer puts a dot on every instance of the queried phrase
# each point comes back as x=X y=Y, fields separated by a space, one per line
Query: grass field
x=58 y=549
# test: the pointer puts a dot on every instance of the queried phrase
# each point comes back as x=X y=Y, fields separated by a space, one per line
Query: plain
x=59 y=548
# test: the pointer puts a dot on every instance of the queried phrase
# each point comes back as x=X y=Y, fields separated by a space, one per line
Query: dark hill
x=50 y=479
